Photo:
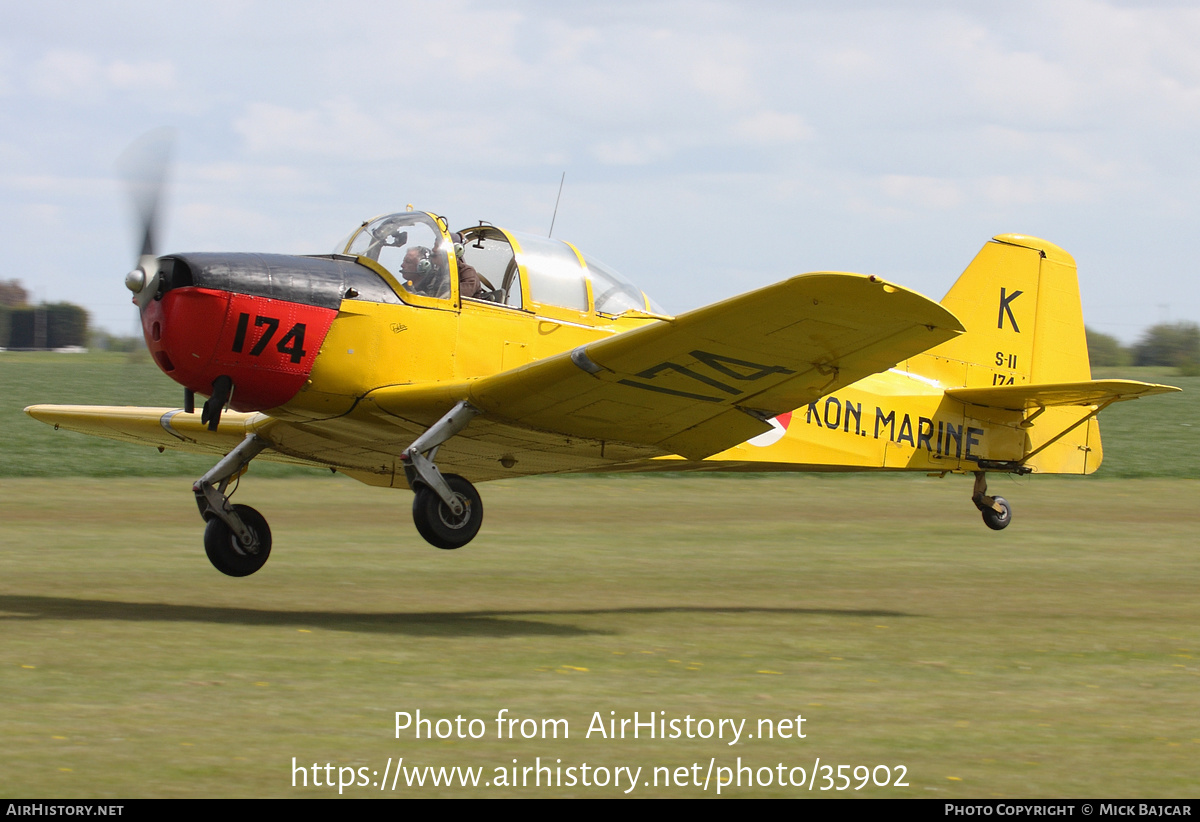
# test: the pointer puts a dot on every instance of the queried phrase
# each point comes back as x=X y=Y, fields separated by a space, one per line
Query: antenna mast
x=556 y=200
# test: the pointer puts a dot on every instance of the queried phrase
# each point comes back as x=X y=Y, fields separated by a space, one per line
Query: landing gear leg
x=236 y=539
x=447 y=509
x=997 y=513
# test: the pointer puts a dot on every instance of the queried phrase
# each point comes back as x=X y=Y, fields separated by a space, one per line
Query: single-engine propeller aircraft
x=415 y=358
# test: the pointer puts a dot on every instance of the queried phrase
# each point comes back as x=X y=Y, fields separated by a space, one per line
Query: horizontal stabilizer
x=1024 y=397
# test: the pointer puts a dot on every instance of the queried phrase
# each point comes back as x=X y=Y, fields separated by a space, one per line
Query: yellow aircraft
x=415 y=358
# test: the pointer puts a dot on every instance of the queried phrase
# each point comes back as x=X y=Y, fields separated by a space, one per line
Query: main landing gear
x=447 y=509
x=236 y=539
x=997 y=513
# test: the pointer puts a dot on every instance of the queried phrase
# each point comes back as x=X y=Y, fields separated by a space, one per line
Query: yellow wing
x=708 y=379
x=160 y=427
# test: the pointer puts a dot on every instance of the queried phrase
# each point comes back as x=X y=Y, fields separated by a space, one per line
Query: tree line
x=47 y=325
x=1171 y=344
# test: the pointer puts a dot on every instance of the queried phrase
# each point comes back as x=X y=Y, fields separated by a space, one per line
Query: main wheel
x=226 y=552
x=438 y=524
x=997 y=520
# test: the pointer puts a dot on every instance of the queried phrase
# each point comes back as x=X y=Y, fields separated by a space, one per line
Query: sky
x=708 y=148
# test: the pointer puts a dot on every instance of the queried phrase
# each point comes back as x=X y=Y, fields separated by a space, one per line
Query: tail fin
x=1019 y=301
x=1021 y=370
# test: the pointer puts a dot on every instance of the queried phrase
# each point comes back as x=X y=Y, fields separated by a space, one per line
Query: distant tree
x=1176 y=344
x=66 y=325
x=21 y=328
x=53 y=325
x=13 y=295
x=1104 y=350
x=101 y=340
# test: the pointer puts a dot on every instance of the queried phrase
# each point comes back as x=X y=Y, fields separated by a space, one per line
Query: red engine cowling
x=265 y=346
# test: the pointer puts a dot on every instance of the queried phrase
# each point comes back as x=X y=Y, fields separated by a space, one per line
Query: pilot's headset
x=424 y=261
x=457 y=243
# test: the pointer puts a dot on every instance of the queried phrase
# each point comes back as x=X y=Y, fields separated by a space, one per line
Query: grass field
x=1056 y=658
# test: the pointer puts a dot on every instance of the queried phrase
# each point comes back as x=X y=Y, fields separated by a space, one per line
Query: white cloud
x=209 y=226
x=923 y=192
x=254 y=175
x=66 y=73
x=632 y=151
x=770 y=127
x=80 y=75
x=158 y=75
x=853 y=61
x=1018 y=191
x=720 y=71
x=54 y=186
x=335 y=128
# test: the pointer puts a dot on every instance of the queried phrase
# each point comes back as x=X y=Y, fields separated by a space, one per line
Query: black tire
x=996 y=520
x=437 y=524
x=226 y=552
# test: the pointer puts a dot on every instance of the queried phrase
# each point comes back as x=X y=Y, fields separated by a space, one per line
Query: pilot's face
x=409 y=266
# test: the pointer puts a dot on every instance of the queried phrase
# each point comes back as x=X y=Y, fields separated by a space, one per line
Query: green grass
x=33 y=449
x=1157 y=436
x=1056 y=658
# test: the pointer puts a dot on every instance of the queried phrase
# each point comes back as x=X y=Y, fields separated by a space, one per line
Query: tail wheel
x=226 y=552
x=998 y=520
x=438 y=524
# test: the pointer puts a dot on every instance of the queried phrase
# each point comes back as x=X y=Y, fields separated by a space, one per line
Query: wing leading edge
x=161 y=427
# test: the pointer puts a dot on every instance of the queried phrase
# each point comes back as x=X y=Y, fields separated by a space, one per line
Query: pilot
x=421 y=274
x=468 y=277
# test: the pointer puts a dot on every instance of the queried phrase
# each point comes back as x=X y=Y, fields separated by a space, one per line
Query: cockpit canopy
x=412 y=247
x=513 y=269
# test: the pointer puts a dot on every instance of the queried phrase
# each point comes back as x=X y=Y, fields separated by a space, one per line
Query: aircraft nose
x=181 y=331
x=266 y=347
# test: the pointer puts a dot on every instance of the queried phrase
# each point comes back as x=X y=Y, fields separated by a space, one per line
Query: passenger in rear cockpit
x=468 y=277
